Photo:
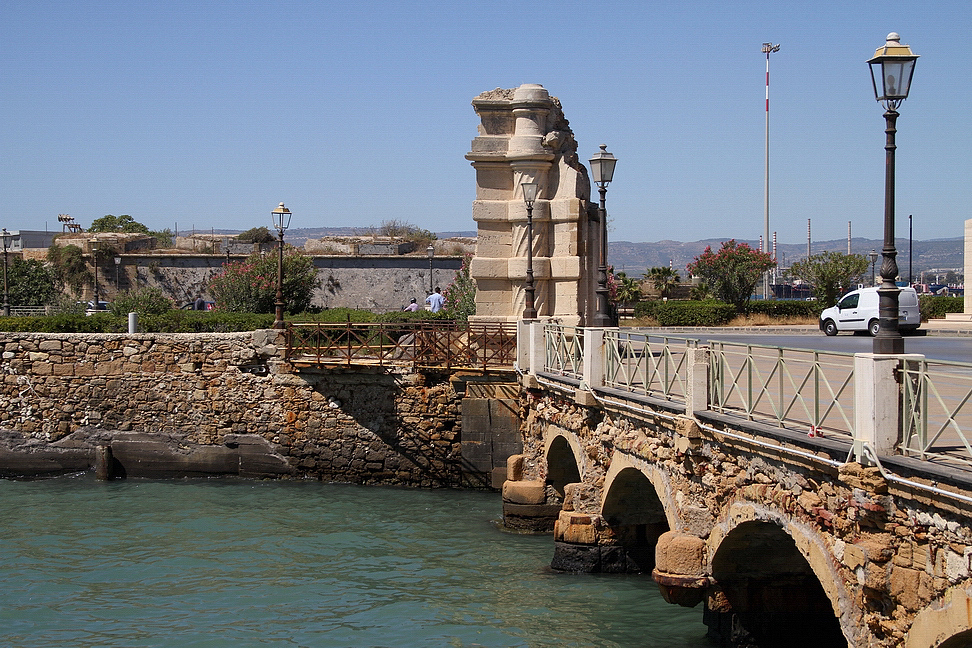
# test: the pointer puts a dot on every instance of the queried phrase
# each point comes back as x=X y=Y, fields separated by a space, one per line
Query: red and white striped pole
x=768 y=48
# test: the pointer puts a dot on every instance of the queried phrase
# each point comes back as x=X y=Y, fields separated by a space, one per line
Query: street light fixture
x=431 y=252
x=874 y=255
x=281 y=221
x=602 y=172
x=892 y=68
x=94 y=254
x=118 y=261
x=6 y=294
x=530 y=190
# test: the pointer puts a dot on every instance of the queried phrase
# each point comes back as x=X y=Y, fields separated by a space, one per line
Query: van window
x=907 y=298
x=850 y=301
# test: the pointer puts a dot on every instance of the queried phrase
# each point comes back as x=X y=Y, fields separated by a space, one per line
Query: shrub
x=250 y=286
x=144 y=301
x=935 y=306
x=693 y=313
x=784 y=308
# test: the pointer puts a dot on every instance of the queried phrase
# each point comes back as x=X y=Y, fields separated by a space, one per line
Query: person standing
x=435 y=300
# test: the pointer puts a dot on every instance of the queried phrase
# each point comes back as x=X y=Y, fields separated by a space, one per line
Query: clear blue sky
x=210 y=113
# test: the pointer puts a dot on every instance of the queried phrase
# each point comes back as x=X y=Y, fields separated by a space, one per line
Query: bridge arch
x=775 y=579
x=634 y=514
x=945 y=623
x=564 y=457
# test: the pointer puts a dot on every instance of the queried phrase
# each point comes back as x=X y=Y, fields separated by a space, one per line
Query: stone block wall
x=170 y=398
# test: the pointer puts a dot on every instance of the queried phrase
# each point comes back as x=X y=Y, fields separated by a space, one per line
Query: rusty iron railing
x=438 y=344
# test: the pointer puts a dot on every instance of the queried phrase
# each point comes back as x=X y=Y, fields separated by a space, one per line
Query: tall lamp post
x=874 y=255
x=602 y=172
x=430 y=251
x=118 y=261
x=6 y=294
x=892 y=67
x=281 y=221
x=94 y=254
x=530 y=190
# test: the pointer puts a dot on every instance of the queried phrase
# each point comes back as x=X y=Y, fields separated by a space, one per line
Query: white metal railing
x=936 y=410
x=564 y=350
x=646 y=364
x=793 y=388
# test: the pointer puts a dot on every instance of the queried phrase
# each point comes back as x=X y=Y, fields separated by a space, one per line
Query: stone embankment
x=203 y=404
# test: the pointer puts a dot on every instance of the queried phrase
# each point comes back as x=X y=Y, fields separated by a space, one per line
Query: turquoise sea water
x=214 y=563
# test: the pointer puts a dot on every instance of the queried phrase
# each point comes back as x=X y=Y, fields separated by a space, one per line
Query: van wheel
x=873 y=327
x=830 y=328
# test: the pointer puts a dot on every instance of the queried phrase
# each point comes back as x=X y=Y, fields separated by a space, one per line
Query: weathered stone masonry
x=823 y=552
x=221 y=403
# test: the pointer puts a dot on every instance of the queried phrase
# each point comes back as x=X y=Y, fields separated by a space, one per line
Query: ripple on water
x=241 y=563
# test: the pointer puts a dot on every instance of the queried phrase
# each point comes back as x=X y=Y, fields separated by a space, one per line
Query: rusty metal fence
x=445 y=345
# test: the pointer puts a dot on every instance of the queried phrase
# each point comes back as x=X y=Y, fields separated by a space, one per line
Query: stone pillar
x=697 y=387
x=877 y=406
x=523 y=136
x=594 y=357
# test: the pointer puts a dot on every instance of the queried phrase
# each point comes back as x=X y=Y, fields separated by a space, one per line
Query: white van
x=858 y=311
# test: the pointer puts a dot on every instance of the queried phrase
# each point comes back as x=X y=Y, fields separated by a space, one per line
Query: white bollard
x=132 y=323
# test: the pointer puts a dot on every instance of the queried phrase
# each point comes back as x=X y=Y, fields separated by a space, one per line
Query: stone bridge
x=782 y=539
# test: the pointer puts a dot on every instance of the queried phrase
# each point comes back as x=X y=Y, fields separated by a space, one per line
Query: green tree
x=256 y=235
x=663 y=279
x=831 y=274
x=628 y=289
x=124 y=223
x=250 y=286
x=733 y=272
x=460 y=295
x=163 y=238
x=144 y=301
x=69 y=267
x=31 y=283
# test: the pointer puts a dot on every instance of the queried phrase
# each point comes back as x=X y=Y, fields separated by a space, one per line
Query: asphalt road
x=936 y=347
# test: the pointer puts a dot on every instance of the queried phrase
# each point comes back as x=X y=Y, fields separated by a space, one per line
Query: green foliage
x=663 y=279
x=174 y=321
x=784 y=308
x=831 y=274
x=692 y=313
x=70 y=269
x=256 y=235
x=460 y=295
x=31 y=283
x=163 y=238
x=124 y=223
x=628 y=289
x=935 y=306
x=144 y=301
x=733 y=272
x=250 y=286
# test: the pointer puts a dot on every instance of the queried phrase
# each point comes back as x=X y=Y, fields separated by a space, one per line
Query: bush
x=935 y=306
x=693 y=313
x=250 y=286
x=144 y=301
x=782 y=309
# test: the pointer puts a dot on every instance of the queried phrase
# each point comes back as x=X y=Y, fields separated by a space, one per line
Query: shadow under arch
x=767 y=594
x=635 y=517
x=562 y=468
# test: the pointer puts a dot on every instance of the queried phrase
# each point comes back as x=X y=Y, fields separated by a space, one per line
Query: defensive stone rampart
x=194 y=404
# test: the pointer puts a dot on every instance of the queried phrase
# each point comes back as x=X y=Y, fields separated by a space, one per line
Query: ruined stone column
x=523 y=136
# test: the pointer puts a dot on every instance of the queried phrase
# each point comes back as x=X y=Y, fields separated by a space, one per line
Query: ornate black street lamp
x=602 y=172
x=892 y=67
x=430 y=251
x=281 y=221
x=530 y=190
x=94 y=254
x=6 y=294
x=874 y=255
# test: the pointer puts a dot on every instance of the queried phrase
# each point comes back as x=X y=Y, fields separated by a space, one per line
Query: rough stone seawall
x=189 y=404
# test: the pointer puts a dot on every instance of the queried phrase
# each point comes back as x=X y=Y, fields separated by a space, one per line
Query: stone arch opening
x=766 y=593
x=636 y=518
x=561 y=465
x=961 y=640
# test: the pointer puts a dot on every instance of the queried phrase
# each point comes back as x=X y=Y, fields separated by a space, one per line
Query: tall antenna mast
x=768 y=48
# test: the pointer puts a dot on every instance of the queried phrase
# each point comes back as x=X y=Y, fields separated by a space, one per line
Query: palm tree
x=628 y=290
x=662 y=279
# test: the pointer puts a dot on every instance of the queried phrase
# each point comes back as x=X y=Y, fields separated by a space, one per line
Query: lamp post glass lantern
x=530 y=190
x=281 y=221
x=602 y=173
x=892 y=69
